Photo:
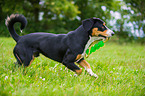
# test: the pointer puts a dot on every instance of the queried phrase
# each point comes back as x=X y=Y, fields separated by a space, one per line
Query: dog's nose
x=112 y=33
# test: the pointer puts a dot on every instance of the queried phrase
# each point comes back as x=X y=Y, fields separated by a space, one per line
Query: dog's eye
x=102 y=28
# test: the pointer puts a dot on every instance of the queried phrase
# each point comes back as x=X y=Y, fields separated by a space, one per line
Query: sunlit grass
x=121 y=71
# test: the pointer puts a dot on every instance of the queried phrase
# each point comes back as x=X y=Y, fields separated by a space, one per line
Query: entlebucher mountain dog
x=64 y=48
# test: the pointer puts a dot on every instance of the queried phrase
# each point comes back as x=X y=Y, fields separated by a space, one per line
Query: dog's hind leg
x=23 y=55
x=28 y=60
x=28 y=57
x=17 y=56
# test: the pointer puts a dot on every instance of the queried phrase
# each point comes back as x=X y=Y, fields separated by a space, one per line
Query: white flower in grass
x=111 y=71
x=40 y=77
x=43 y=79
x=70 y=75
x=6 y=77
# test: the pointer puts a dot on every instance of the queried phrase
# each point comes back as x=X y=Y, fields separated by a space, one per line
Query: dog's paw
x=95 y=75
x=92 y=73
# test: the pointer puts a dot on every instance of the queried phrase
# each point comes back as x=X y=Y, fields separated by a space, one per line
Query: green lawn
x=121 y=71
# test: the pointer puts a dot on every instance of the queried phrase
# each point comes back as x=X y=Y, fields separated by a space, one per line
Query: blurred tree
x=58 y=14
x=33 y=8
x=138 y=13
x=61 y=8
x=25 y=7
x=61 y=16
x=1 y=10
x=9 y=6
x=91 y=8
x=55 y=11
x=6 y=8
x=121 y=21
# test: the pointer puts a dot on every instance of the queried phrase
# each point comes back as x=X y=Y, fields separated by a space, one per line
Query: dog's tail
x=11 y=20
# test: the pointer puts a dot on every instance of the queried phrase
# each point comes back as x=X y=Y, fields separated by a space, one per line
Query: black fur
x=63 y=48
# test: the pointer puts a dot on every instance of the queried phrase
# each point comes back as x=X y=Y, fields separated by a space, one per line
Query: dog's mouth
x=109 y=33
x=102 y=36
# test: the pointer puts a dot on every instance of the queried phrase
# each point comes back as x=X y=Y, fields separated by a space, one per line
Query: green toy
x=94 y=47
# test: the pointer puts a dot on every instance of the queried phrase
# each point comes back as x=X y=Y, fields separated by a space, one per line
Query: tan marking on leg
x=78 y=56
x=84 y=64
x=78 y=72
x=31 y=61
x=87 y=67
x=19 y=58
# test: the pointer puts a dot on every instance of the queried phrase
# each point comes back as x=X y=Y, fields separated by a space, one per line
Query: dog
x=64 y=48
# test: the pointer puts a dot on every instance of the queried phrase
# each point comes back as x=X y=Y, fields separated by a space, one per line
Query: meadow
x=120 y=67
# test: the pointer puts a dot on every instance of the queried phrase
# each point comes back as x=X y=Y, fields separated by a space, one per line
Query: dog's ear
x=87 y=24
x=97 y=20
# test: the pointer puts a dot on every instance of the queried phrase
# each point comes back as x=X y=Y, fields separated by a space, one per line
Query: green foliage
x=120 y=69
x=135 y=12
x=56 y=13
x=92 y=8
x=62 y=8
x=62 y=16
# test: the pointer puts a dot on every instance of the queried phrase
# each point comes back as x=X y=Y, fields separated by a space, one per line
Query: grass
x=121 y=71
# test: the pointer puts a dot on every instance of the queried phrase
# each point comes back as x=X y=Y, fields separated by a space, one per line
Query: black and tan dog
x=64 y=48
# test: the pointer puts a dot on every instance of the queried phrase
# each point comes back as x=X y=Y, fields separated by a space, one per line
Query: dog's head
x=97 y=28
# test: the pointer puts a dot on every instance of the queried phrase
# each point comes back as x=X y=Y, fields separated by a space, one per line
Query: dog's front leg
x=69 y=60
x=73 y=67
x=87 y=67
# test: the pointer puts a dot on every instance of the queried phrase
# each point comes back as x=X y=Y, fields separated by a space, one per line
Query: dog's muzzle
x=110 y=33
